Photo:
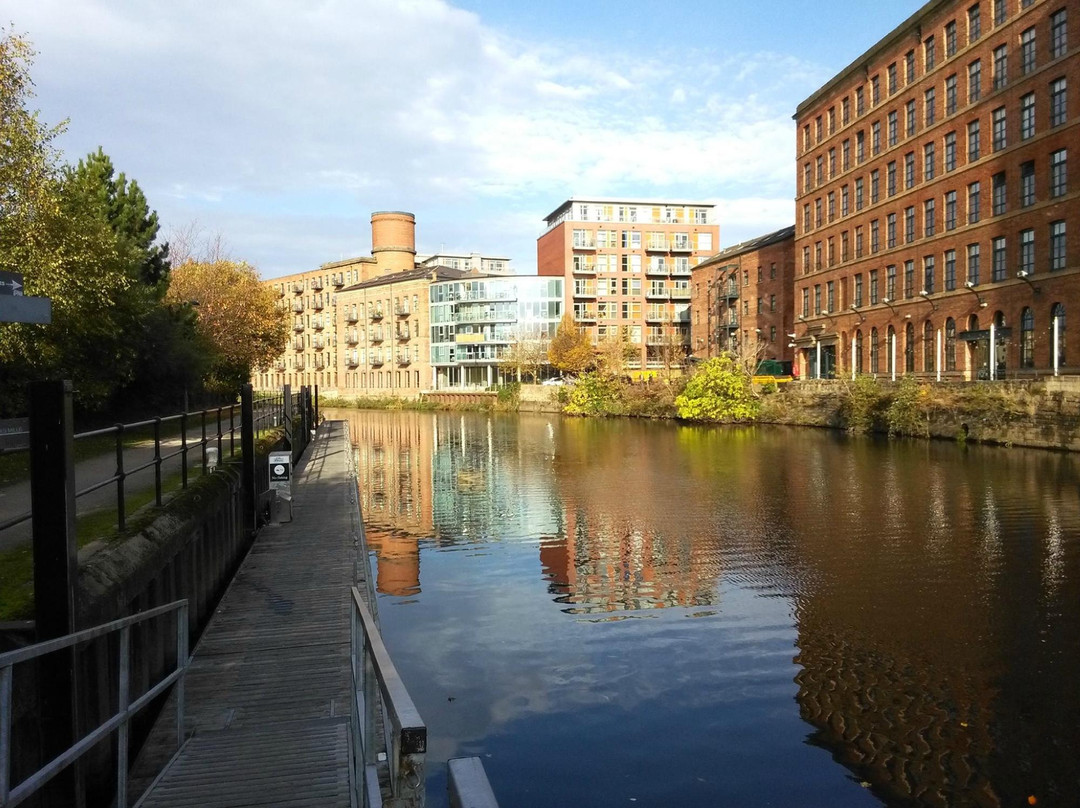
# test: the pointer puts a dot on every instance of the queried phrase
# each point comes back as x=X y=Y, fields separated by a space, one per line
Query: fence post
x=287 y=419
x=52 y=498
x=316 y=406
x=247 y=449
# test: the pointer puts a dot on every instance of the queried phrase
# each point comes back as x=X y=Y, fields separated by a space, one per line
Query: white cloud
x=237 y=106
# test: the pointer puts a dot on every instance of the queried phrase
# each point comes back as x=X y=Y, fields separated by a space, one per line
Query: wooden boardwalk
x=268 y=690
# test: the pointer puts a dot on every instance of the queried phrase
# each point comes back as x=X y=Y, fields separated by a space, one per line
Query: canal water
x=623 y=613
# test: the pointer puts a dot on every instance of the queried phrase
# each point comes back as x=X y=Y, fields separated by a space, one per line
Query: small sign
x=281 y=471
x=11 y=283
x=15 y=433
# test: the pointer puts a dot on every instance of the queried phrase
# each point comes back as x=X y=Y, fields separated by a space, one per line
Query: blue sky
x=280 y=125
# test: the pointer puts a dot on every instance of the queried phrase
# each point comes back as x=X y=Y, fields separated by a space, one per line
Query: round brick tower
x=393 y=241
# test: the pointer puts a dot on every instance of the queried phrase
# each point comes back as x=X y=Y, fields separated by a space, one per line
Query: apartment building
x=474 y=262
x=741 y=299
x=627 y=268
x=937 y=221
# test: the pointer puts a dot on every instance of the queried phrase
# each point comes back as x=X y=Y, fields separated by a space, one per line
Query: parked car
x=553 y=381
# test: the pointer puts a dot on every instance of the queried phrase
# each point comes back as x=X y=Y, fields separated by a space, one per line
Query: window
x=858 y=242
x=874 y=240
x=859 y=193
x=950 y=210
x=973 y=141
x=909 y=279
x=1027 y=116
x=892 y=128
x=1027 y=184
x=999 y=12
x=1027 y=51
x=1059 y=177
x=909 y=170
x=805 y=260
x=929 y=54
x=910 y=122
x=973 y=264
x=858 y=295
x=929 y=107
x=875 y=361
x=806 y=301
x=820 y=172
x=858 y=352
x=808 y=178
x=832 y=120
x=1027 y=251
x=1059 y=34
x=890 y=178
x=891 y=73
x=928 y=347
x=973 y=202
x=998 y=130
x=909 y=224
x=845 y=154
x=860 y=101
x=875 y=90
x=909 y=67
x=890 y=230
x=1057 y=318
x=860 y=146
x=844 y=200
x=928 y=161
x=999 y=191
x=817 y=212
x=1027 y=338
x=950 y=94
x=817 y=298
x=950 y=151
x=890 y=347
x=844 y=246
x=950 y=39
x=974 y=81
x=1058 y=102
x=832 y=205
x=845 y=110
x=832 y=162
x=909 y=348
x=817 y=128
x=998 y=260
x=1001 y=66
x=875 y=176
x=806 y=217
x=950 y=270
x=1057 y=245
x=928 y=274
x=873 y=287
x=830 y=296
x=875 y=137
x=928 y=218
x=974 y=23
x=950 y=344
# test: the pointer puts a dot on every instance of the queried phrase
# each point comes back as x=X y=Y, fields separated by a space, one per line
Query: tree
x=720 y=390
x=571 y=350
x=237 y=316
x=612 y=354
x=527 y=353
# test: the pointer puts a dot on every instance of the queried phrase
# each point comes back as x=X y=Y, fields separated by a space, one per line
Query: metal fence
x=119 y=722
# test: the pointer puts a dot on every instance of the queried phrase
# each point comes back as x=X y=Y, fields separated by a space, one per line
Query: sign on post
x=15 y=433
x=11 y=283
x=15 y=307
x=281 y=484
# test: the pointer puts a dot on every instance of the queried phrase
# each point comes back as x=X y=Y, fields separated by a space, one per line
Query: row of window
x=885 y=348
x=1056 y=114
x=882 y=287
x=1027 y=195
x=1058 y=46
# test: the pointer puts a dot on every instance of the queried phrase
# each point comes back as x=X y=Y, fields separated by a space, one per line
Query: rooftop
x=606 y=200
x=749 y=246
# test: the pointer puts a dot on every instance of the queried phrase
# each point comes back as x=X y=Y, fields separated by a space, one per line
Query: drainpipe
x=1057 y=337
x=993 y=353
x=853 y=358
x=892 y=354
x=940 y=354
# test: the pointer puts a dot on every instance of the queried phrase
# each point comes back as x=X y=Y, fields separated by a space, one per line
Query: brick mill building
x=937 y=219
x=741 y=299
x=627 y=268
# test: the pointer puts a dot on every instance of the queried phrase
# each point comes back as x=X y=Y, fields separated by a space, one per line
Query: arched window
x=1057 y=317
x=858 y=351
x=928 y=347
x=1027 y=338
x=1002 y=347
x=909 y=348
x=950 y=344
x=890 y=350
x=874 y=351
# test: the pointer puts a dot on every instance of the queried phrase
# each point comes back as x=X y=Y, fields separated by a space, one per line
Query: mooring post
x=52 y=500
x=247 y=449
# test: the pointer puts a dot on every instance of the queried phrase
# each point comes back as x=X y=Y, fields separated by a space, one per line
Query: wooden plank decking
x=268 y=689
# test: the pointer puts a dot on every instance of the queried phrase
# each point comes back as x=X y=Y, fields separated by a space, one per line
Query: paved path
x=268 y=691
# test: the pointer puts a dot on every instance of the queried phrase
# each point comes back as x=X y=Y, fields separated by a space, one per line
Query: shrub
x=594 y=394
x=907 y=414
x=721 y=391
x=861 y=405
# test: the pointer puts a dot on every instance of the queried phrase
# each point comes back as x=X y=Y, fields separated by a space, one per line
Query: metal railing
x=468 y=784
x=119 y=722
x=380 y=697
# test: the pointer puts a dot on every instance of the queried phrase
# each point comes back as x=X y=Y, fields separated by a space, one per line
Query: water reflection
x=933 y=592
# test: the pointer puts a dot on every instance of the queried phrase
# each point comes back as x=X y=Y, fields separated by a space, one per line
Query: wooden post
x=52 y=497
x=247 y=449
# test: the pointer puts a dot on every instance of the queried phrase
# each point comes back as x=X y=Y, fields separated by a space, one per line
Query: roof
x=608 y=200
x=749 y=246
x=432 y=273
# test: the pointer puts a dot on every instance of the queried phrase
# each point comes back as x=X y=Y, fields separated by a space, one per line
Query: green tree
x=571 y=350
x=720 y=390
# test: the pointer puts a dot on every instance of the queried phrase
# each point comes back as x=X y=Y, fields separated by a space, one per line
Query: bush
x=907 y=413
x=862 y=404
x=508 y=397
x=594 y=394
x=721 y=391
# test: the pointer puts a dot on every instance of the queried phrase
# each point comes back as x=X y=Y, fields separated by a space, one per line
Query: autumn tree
x=571 y=350
x=721 y=390
x=235 y=314
x=612 y=354
x=527 y=352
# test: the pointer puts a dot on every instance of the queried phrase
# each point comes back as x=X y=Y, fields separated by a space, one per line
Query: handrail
x=468 y=784
x=405 y=735
x=119 y=721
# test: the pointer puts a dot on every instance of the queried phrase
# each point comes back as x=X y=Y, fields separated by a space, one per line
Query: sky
x=281 y=125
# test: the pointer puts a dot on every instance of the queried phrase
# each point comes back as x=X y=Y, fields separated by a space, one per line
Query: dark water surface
x=615 y=613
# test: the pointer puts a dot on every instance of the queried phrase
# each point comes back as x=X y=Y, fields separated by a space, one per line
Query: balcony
x=298 y=306
x=403 y=334
x=656 y=245
x=352 y=360
x=320 y=363
x=731 y=324
x=681 y=245
x=732 y=293
x=584 y=290
x=656 y=293
x=339 y=280
x=376 y=313
x=655 y=315
x=585 y=243
x=298 y=325
x=299 y=364
x=375 y=335
x=281 y=292
x=298 y=344
x=376 y=360
x=318 y=343
x=657 y=268
x=280 y=365
x=680 y=293
x=402 y=310
x=403 y=359
x=316 y=284
x=656 y=339
x=585 y=267
x=317 y=303
x=352 y=337
x=584 y=315
x=681 y=271
x=351 y=316
x=298 y=287
x=318 y=324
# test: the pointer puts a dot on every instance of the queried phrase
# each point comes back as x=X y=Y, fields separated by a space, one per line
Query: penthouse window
x=892 y=128
x=1058 y=102
x=1057 y=245
x=1059 y=34
x=929 y=53
x=1027 y=116
x=950 y=39
x=929 y=106
x=974 y=193
x=1027 y=184
x=950 y=210
x=909 y=170
x=928 y=161
x=973 y=148
x=950 y=151
x=1027 y=51
x=1027 y=251
x=998 y=194
x=1001 y=66
x=950 y=94
x=998 y=260
x=950 y=270
x=929 y=225
x=1059 y=175
x=998 y=129
x=909 y=67
x=974 y=23
x=999 y=12
x=974 y=81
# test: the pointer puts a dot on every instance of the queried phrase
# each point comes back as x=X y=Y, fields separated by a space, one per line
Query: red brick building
x=741 y=299
x=937 y=220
